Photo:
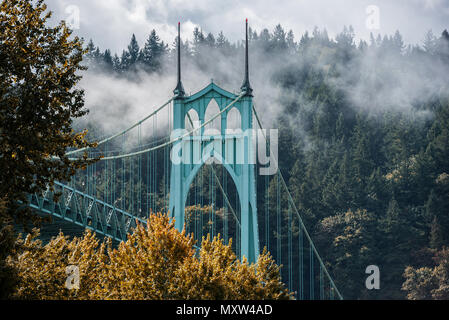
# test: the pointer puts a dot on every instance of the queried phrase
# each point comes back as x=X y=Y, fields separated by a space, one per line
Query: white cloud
x=111 y=22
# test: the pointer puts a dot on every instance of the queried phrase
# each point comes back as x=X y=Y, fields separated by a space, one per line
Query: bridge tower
x=234 y=150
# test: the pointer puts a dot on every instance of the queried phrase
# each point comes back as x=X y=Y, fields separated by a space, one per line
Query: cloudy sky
x=110 y=23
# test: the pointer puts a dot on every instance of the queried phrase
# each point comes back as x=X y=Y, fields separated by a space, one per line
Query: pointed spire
x=246 y=86
x=179 y=90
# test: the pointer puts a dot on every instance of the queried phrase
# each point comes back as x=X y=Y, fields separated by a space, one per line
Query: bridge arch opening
x=208 y=211
x=192 y=120
x=234 y=119
x=214 y=127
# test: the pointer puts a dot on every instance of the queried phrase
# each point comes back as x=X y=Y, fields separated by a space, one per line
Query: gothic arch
x=191 y=115
x=212 y=110
x=234 y=119
x=194 y=172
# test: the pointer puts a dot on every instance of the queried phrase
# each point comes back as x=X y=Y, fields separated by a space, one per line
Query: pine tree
x=346 y=38
x=377 y=191
x=132 y=55
x=107 y=59
x=430 y=42
x=125 y=61
x=221 y=42
x=438 y=147
x=443 y=46
x=90 y=51
x=223 y=45
x=153 y=52
x=265 y=40
x=362 y=160
x=303 y=43
x=210 y=40
x=290 y=39
x=398 y=42
x=436 y=234
x=279 y=38
x=116 y=62
x=198 y=41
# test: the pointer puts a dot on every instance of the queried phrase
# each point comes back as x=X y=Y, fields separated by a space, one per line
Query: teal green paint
x=243 y=174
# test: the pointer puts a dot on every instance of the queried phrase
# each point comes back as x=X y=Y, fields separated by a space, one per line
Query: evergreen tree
x=153 y=52
x=90 y=55
x=131 y=56
x=346 y=38
x=116 y=62
x=279 y=38
x=210 y=40
x=443 y=46
x=290 y=39
x=198 y=41
x=436 y=234
x=107 y=60
x=430 y=42
x=398 y=42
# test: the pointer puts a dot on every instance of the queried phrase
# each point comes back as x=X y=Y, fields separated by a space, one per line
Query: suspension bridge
x=193 y=157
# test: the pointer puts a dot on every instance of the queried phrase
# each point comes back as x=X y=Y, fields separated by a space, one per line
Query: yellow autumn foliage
x=42 y=269
x=156 y=262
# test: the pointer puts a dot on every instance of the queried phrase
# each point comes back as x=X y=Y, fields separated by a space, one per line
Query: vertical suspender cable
x=267 y=213
x=321 y=284
x=155 y=171
x=301 y=264
x=122 y=193
x=139 y=194
x=290 y=261
x=278 y=222
x=147 y=209
x=312 y=277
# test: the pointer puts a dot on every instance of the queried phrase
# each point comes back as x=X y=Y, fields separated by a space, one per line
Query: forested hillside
x=364 y=141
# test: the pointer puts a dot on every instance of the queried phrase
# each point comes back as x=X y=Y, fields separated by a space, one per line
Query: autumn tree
x=156 y=262
x=42 y=268
x=8 y=274
x=38 y=102
x=217 y=274
x=350 y=243
x=427 y=283
x=145 y=265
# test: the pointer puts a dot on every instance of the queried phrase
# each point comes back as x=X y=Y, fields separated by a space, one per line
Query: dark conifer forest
x=364 y=140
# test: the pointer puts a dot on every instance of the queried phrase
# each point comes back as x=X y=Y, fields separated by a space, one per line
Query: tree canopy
x=156 y=262
x=39 y=99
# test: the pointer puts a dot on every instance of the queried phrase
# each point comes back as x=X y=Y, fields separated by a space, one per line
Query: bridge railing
x=72 y=205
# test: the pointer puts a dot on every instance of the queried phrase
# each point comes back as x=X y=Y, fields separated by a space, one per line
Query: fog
x=374 y=81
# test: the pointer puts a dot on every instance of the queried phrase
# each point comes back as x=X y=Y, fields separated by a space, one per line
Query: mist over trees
x=364 y=139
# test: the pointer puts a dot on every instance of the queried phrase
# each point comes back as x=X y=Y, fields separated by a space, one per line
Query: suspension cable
x=171 y=141
x=290 y=198
x=124 y=131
